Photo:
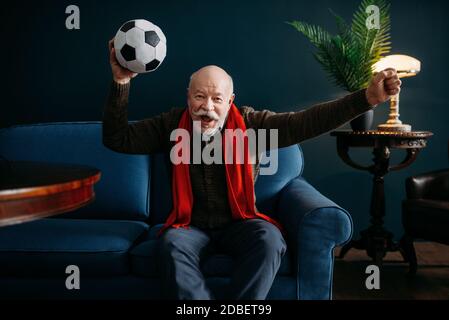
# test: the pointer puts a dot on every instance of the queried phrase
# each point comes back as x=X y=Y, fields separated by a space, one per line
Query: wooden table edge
x=42 y=191
x=83 y=196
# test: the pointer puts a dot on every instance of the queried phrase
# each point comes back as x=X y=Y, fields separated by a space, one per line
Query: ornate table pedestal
x=376 y=240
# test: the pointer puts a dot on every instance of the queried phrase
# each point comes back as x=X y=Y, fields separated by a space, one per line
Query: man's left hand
x=385 y=84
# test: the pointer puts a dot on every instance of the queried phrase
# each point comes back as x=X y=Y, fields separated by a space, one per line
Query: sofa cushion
x=268 y=187
x=123 y=190
x=46 y=247
x=161 y=193
x=144 y=257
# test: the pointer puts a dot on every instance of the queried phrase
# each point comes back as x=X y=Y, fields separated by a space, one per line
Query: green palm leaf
x=348 y=56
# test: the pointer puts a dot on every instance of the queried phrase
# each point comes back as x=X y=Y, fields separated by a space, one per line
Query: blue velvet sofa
x=112 y=240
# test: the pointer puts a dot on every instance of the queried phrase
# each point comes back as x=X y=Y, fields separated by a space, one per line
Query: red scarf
x=239 y=180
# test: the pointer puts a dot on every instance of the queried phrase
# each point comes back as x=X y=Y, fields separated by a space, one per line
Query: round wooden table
x=33 y=190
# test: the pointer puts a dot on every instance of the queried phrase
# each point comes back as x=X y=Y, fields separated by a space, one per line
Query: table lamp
x=405 y=66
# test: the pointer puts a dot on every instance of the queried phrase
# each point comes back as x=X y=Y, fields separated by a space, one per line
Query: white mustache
x=211 y=114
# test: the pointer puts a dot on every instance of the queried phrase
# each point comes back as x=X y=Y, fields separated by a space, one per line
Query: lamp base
x=394 y=127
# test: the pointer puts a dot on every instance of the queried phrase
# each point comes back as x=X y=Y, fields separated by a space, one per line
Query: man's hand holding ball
x=120 y=74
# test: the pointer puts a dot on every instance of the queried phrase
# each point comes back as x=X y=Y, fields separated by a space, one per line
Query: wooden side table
x=33 y=190
x=376 y=240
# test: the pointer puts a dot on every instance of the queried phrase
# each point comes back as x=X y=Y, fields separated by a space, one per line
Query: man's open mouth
x=206 y=119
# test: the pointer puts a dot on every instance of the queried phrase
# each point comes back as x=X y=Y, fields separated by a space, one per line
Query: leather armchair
x=425 y=212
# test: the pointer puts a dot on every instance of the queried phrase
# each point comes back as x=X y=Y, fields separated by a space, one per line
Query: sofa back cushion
x=267 y=188
x=123 y=190
x=161 y=194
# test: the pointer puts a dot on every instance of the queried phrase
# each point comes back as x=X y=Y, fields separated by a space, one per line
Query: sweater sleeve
x=295 y=127
x=141 y=137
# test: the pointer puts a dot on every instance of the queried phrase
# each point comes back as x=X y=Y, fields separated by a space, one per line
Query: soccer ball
x=140 y=46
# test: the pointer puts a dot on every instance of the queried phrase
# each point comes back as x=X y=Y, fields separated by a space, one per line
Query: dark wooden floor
x=430 y=282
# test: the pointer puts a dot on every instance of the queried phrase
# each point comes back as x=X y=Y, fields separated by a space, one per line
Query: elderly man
x=214 y=204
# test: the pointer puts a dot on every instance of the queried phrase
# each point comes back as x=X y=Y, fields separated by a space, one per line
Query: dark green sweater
x=211 y=207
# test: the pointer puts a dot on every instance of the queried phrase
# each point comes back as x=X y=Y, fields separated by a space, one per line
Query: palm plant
x=348 y=56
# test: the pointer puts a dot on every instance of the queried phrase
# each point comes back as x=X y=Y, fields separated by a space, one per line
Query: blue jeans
x=255 y=245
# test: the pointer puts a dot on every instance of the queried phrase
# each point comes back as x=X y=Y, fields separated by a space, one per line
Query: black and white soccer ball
x=140 y=46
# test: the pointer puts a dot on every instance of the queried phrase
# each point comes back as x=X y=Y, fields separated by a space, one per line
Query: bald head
x=212 y=77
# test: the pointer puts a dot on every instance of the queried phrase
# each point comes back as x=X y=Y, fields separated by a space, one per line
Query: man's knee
x=171 y=242
x=269 y=238
x=179 y=240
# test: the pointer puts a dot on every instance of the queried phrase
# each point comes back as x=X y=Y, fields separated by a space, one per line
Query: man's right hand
x=120 y=74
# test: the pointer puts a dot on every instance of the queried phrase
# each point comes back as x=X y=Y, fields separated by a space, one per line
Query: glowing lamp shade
x=405 y=66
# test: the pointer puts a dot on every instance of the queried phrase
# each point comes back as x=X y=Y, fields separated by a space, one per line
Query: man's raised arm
x=295 y=127
x=142 y=137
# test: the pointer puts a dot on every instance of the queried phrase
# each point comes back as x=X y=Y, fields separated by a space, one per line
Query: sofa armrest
x=314 y=225
x=431 y=185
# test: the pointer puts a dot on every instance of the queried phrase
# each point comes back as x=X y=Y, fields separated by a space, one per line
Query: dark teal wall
x=49 y=73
